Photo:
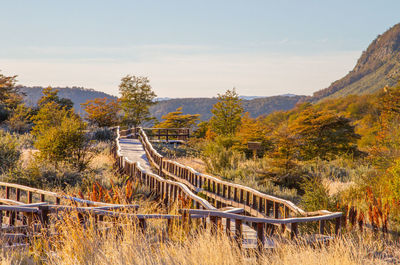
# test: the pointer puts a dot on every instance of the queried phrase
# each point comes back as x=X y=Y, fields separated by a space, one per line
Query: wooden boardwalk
x=133 y=150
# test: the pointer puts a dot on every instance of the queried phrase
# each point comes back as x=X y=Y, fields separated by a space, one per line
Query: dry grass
x=193 y=162
x=336 y=186
x=75 y=245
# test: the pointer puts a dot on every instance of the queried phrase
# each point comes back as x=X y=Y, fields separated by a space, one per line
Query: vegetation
x=78 y=95
x=377 y=67
x=177 y=119
x=51 y=95
x=203 y=106
x=9 y=152
x=227 y=114
x=102 y=112
x=136 y=98
x=60 y=136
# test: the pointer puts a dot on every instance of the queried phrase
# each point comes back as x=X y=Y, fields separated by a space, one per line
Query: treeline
x=203 y=106
x=77 y=95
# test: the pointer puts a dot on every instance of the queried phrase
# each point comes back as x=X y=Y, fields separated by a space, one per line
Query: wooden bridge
x=250 y=217
x=263 y=215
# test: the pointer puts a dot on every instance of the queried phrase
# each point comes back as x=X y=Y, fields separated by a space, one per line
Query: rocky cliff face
x=378 y=66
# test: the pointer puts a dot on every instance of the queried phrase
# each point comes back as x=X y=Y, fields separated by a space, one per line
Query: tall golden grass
x=68 y=242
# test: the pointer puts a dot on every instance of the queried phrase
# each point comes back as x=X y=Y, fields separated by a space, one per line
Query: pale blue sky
x=190 y=48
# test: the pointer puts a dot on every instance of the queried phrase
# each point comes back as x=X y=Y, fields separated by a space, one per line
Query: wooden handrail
x=128 y=163
x=250 y=219
x=52 y=194
x=196 y=181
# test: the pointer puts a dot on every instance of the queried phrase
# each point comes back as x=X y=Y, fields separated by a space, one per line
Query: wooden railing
x=222 y=193
x=269 y=214
x=170 y=191
x=166 y=134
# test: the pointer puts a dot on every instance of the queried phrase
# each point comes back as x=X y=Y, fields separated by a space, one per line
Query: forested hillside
x=377 y=67
x=78 y=95
x=203 y=106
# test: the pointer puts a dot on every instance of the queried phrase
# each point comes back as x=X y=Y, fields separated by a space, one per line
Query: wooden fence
x=167 y=134
x=267 y=212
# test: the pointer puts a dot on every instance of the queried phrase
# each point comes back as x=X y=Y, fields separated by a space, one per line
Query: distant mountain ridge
x=78 y=95
x=256 y=106
x=377 y=67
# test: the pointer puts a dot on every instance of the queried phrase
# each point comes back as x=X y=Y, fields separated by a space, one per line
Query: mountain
x=377 y=67
x=78 y=95
x=256 y=107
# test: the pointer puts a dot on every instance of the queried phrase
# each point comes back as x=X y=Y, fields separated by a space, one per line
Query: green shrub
x=103 y=135
x=60 y=137
x=219 y=158
x=9 y=152
x=316 y=196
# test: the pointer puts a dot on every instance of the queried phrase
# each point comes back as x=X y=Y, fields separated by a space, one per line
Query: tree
x=51 y=95
x=285 y=149
x=324 y=134
x=60 y=136
x=9 y=152
x=9 y=96
x=136 y=98
x=227 y=113
x=177 y=119
x=20 y=119
x=102 y=112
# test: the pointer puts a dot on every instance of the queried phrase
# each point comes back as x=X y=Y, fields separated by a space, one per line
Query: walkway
x=133 y=150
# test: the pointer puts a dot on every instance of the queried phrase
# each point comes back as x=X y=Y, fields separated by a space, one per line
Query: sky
x=190 y=48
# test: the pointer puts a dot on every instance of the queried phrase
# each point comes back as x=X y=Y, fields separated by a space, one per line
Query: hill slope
x=377 y=67
x=78 y=95
x=203 y=106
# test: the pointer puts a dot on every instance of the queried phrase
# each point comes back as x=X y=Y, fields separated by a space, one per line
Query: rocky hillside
x=377 y=67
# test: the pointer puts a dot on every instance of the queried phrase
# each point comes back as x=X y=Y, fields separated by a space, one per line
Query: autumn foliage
x=102 y=112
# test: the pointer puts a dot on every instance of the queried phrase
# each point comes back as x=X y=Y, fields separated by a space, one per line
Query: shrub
x=9 y=152
x=20 y=119
x=218 y=158
x=316 y=195
x=61 y=137
x=103 y=135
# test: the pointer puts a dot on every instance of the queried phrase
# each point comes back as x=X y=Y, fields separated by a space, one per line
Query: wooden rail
x=170 y=191
x=167 y=134
x=267 y=211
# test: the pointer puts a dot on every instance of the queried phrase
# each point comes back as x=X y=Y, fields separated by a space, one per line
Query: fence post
x=322 y=227
x=239 y=232
x=30 y=197
x=294 y=230
x=160 y=169
x=337 y=225
x=18 y=194
x=260 y=236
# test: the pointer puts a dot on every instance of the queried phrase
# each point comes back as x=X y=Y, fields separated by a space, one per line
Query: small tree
x=227 y=113
x=177 y=119
x=324 y=134
x=60 y=136
x=136 y=98
x=9 y=96
x=51 y=95
x=102 y=112
x=9 y=152
x=285 y=149
x=20 y=119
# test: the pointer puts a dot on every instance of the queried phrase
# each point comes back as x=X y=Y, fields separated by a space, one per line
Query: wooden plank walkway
x=133 y=150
